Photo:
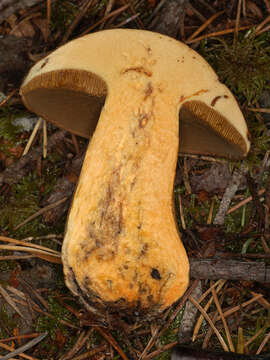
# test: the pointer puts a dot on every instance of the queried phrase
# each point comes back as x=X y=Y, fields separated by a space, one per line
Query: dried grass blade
x=200 y=319
x=204 y=26
x=24 y=243
x=227 y=331
x=264 y=342
x=8 y=299
x=32 y=137
x=206 y=316
x=27 y=346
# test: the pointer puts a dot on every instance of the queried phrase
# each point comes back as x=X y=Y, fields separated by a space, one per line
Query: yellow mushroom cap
x=77 y=77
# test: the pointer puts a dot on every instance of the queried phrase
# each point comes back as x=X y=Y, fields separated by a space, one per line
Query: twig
x=264 y=342
x=128 y=20
x=32 y=136
x=229 y=194
x=138 y=20
x=158 y=331
x=244 y=202
x=13 y=92
x=91 y=353
x=112 y=341
x=204 y=26
x=206 y=316
x=186 y=178
x=206 y=307
x=40 y=212
x=217 y=33
x=261 y=25
x=253 y=338
x=8 y=299
x=83 y=337
x=237 y=20
x=154 y=354
x=24 y=243
x=262 y=110
x=48 y=20
x=181 y=212
x=75 y=22
x=25 y=347
x=227 y=331
x=113 y=13
x=45 y=139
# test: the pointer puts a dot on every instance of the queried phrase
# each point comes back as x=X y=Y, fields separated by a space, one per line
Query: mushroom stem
x=121 y=218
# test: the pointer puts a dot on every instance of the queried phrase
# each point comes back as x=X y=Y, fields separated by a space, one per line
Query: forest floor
x=221 y=206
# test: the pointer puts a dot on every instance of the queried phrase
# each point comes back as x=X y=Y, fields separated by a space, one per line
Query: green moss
x=242 y=64
x=63 y=14
x=23 y=202
x=51 y=324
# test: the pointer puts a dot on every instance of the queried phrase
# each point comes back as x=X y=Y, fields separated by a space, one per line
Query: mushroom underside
x=202 y=130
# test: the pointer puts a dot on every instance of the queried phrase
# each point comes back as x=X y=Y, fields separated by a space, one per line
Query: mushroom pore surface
x=129 y=90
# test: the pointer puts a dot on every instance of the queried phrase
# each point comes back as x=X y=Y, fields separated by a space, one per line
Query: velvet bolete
x=137 y=93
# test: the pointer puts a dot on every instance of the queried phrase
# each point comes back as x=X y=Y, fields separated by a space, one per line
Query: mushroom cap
x=69 y=88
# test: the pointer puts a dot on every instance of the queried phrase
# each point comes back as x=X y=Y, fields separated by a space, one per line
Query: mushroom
x=136 y=93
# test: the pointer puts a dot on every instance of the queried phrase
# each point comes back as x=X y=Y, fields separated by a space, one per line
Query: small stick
x=185 y=177
x=261 y=25
x=204 y=26
x=78 y=18
x=19 y=337
x=48 y=20
x=75 y=143
x=229 y=194
x=45 y=139
x=262 y=110
x=154 y=354
x=253 y=338
x=200 y=319
x=210 y=215
x=115 y=12
x=8 y=97
x=206 y=316
x=126 y=21
x=112 y=341
x=217 y=33
x=91 y=353
x=264 y=342
x=8 y=299
x=237 y=20
x=40 y=212
x=24 y=243
x=21 y=349
x=227 y=331
x=181 y=213
x=244 y=202
x=32 y=137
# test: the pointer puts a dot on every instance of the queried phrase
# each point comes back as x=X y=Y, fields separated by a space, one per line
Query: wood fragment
x=217 y=268
x=229 y=194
